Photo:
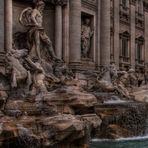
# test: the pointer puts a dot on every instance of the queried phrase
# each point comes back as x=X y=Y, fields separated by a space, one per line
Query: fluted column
x=8 y=24
x=75 y=31
x=58 y=31
x=105 y=32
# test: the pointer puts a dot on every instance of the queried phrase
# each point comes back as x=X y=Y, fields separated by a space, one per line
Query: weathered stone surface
x=71 y=96
x=92 y=119
x=141 y=94
x=50 y=131
x=115 y=132
x=19 y=107
x=103 y=96
x=105 y=86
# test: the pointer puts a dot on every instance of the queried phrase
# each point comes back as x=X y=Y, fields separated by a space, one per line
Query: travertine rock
x=18 y=108
x=71 y=96
x=92 y=119
x=49 y=130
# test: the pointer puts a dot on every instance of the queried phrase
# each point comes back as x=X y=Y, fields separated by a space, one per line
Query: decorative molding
x=125 y=34
x=124 y=15
x=140 y=39
x=58 y=2
x=55 y=2
x=140 y=21
x=89 y=4
x=93 y=2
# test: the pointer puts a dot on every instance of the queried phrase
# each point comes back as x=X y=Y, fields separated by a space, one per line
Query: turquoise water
x=137 y=143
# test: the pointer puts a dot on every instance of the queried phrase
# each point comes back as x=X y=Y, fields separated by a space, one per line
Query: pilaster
x=116 y=32
x=132 y=33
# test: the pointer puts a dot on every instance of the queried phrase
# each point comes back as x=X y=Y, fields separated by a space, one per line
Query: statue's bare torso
x=37 y=18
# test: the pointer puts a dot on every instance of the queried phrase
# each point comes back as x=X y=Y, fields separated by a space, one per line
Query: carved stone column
x=58 y=25
x=105 y=35
x=146 y=34
x=105 y=32
x=66 y=32
x=8 y=24
x=133 y=35
x=98 y=32
x=58 y=31
x=75 y=31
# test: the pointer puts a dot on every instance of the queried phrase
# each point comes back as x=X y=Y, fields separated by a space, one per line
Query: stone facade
x=120 y=31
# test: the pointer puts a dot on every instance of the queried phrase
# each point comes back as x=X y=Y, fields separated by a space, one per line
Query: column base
x=88 y=64
x=75 y=66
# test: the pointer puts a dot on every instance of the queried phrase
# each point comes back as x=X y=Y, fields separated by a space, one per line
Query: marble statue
x=113 y=80
x=37 y=65
x=86 y=35
x=122 y=83
x=18 y=71
x=40 y=44
x=38 y=77
x=113 y=72
x=132 y=78
x=104 y=80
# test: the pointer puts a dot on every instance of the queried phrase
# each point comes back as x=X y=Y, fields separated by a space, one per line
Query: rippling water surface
x=121 y=143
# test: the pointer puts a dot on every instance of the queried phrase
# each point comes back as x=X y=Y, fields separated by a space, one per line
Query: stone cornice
x=92 y=2
x=57 y=2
